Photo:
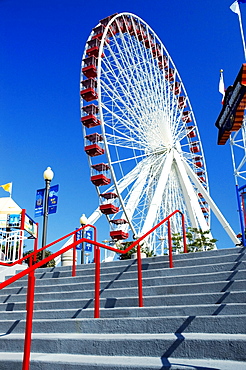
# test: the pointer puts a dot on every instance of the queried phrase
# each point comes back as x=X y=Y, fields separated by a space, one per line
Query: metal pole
x=45 y=215
x=242 y=34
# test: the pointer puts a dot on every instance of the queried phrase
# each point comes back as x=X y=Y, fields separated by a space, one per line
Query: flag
x=235 y=7
x=7 y=187
x=222 y=85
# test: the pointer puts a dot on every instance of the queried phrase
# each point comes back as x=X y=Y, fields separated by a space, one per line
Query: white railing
x=11 y=245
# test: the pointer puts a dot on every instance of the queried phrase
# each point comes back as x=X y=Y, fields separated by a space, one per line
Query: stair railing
x=30 y=271
x=139 y=261
x=33 y=265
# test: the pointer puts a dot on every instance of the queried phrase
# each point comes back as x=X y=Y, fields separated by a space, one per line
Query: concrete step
x=198 y=255
x=131 y=312
x=201 y=345
x=164 y=324
x=208 y=287
x=149 y=301
x=181 y=260
x=64 y=284
x=233 y=252
x=123 y=273
x=44 y=361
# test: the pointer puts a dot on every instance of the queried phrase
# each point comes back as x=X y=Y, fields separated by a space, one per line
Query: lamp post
x=105 y=250
x=87 y=257
x=48 y=176
x=83 y=221
x=162 y=245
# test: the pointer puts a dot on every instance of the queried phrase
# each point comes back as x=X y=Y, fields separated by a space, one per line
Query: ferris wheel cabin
x=109 y=208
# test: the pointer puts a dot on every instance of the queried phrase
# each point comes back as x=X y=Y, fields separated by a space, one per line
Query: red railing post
x=30 y=263
x=170 y=243
x=140 y=281
x=184 y=234
x=22 y=227
x=29 y=316
x=36 y=246
x=74 y=257
x=97 y=282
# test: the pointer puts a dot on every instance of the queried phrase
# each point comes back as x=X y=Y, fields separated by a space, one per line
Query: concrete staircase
x=194 y=316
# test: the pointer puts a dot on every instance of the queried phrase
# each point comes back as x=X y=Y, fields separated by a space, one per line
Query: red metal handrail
x=34 y=253
x=134 y=244
x=30 y=271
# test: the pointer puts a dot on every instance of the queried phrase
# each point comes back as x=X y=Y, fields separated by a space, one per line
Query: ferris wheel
x=143 y=145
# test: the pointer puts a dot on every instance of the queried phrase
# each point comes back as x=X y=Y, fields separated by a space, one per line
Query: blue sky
x=41 y=45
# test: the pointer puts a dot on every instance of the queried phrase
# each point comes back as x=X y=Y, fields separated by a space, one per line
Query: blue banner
x=87 y=235
x=79 y=236
x=53 y=199
x=39 y=204
x=88 y=246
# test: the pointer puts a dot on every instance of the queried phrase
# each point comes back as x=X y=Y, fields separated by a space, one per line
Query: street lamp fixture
x=87 y=257
x=48 y=176
x=105 y=250
x=83 y=221
x=162 y=238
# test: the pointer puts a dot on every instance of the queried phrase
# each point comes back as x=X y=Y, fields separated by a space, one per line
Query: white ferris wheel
x=141 y=137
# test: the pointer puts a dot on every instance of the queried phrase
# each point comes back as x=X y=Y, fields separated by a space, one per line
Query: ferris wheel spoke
x=135 y=194
x=126 y=80
x=128 y=159
x=191 y=193
x=123 y=132
x=132 y=56
x=121 y=83
x=117 y=53
x=144 y=79
x=125 y=181
x=125 y=109
x=154 y=205
x=134 y=175
x=186 y=198
x=119 y=102
x=125 y=139
x=155 y=99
